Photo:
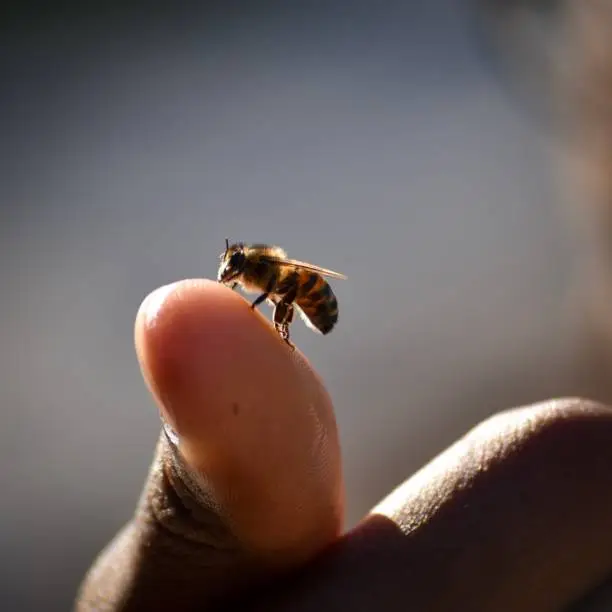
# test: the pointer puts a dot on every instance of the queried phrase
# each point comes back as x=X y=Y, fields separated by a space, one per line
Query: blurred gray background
x=378 y=139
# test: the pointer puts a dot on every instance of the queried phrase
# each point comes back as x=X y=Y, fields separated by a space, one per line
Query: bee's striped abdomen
x=317 y=301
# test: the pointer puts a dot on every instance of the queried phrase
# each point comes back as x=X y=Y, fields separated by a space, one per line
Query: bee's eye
x=235 y=260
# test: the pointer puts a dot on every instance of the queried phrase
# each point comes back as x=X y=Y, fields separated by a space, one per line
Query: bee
x=287 y=284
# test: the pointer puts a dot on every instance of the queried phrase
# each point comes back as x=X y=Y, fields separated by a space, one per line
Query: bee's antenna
x=226 y=245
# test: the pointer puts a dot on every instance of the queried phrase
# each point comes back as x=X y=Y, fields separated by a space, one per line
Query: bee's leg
x=283 y=332
x=290 y=311
x=259 y=300
x=283 y=315
x=264 y=296
x=233 y=286
x=287 y=301
x=285 y=337
x=281 y=312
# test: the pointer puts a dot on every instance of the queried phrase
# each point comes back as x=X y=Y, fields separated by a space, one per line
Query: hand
x=515 y=516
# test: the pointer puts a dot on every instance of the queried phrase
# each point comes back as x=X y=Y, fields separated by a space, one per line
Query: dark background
x=381 y=139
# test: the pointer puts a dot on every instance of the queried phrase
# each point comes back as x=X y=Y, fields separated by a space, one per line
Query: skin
x=248 y=511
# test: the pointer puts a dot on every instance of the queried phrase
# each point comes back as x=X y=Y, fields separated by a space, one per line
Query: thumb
x=246 y=480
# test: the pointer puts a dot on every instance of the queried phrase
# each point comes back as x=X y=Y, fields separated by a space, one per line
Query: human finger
x=252 y=483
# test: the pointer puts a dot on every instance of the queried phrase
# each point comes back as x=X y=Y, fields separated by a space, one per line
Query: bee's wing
x=294 y=263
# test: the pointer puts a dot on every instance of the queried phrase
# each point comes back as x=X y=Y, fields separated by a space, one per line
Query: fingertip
x=198 y=337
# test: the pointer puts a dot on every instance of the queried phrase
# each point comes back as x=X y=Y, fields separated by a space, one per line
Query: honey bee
x=287 y=284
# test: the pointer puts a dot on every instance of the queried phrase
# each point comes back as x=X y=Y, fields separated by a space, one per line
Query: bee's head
x=233 y=260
